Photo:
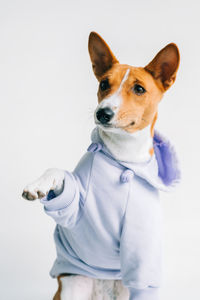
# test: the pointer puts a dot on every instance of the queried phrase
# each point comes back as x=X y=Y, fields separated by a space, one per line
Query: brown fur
x=156 y=78
x=153 y=124
x=140 y=109
x=151 y=151
x=164 y=66
x=58 y=293
x=98 y=48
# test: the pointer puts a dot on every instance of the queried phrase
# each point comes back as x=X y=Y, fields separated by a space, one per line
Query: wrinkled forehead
x=128 y=75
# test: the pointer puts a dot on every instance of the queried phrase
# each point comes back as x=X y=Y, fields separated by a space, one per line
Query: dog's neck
x=129 y=147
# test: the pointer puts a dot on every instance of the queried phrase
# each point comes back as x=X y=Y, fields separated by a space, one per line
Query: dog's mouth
x=131 y=124
x=111 y=126
x=105 y=125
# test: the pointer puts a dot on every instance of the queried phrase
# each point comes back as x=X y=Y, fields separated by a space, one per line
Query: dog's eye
x=104 y=85
x=138 y=89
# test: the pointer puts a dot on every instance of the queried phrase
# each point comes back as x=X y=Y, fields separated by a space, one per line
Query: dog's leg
x=74 y=287
x=109 y=290
x=52 y=179
x=78 y=287
x=57 y=295
x=120 y=291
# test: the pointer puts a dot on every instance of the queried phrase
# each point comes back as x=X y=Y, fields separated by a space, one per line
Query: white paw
x=52 y=179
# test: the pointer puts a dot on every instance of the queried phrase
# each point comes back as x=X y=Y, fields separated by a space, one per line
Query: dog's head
x=128 y=96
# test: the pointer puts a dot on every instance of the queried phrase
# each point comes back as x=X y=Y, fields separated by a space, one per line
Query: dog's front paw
x=52 y=179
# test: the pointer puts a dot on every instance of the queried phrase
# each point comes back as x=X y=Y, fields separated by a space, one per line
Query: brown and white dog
x=128 y=99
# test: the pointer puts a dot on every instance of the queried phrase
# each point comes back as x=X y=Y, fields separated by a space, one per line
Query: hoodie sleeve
x=66 y=208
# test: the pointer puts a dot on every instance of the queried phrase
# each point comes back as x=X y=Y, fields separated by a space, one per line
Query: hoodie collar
x=161 y=171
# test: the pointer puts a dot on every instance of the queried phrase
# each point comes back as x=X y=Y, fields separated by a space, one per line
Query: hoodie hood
x=161 y=171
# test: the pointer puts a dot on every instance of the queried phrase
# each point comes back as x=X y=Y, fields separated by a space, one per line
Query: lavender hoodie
x=109 y=216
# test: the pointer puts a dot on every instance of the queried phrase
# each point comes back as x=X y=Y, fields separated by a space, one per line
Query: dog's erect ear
x=164 y=66
x=101 y=56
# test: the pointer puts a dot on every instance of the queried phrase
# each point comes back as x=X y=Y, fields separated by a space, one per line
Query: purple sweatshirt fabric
x=108 y=216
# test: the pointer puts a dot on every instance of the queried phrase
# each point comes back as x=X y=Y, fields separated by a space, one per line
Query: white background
x=48 y=94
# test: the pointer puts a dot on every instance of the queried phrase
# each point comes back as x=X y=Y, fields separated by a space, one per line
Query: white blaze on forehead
x=114 y=100
x=123 y=80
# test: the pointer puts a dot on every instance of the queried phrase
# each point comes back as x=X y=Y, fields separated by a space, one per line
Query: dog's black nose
x=104 y=115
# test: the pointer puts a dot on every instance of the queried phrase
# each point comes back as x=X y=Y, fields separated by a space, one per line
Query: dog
x=107 y=211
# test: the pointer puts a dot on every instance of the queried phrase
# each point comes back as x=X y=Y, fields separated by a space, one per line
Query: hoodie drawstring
x=95 y=147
